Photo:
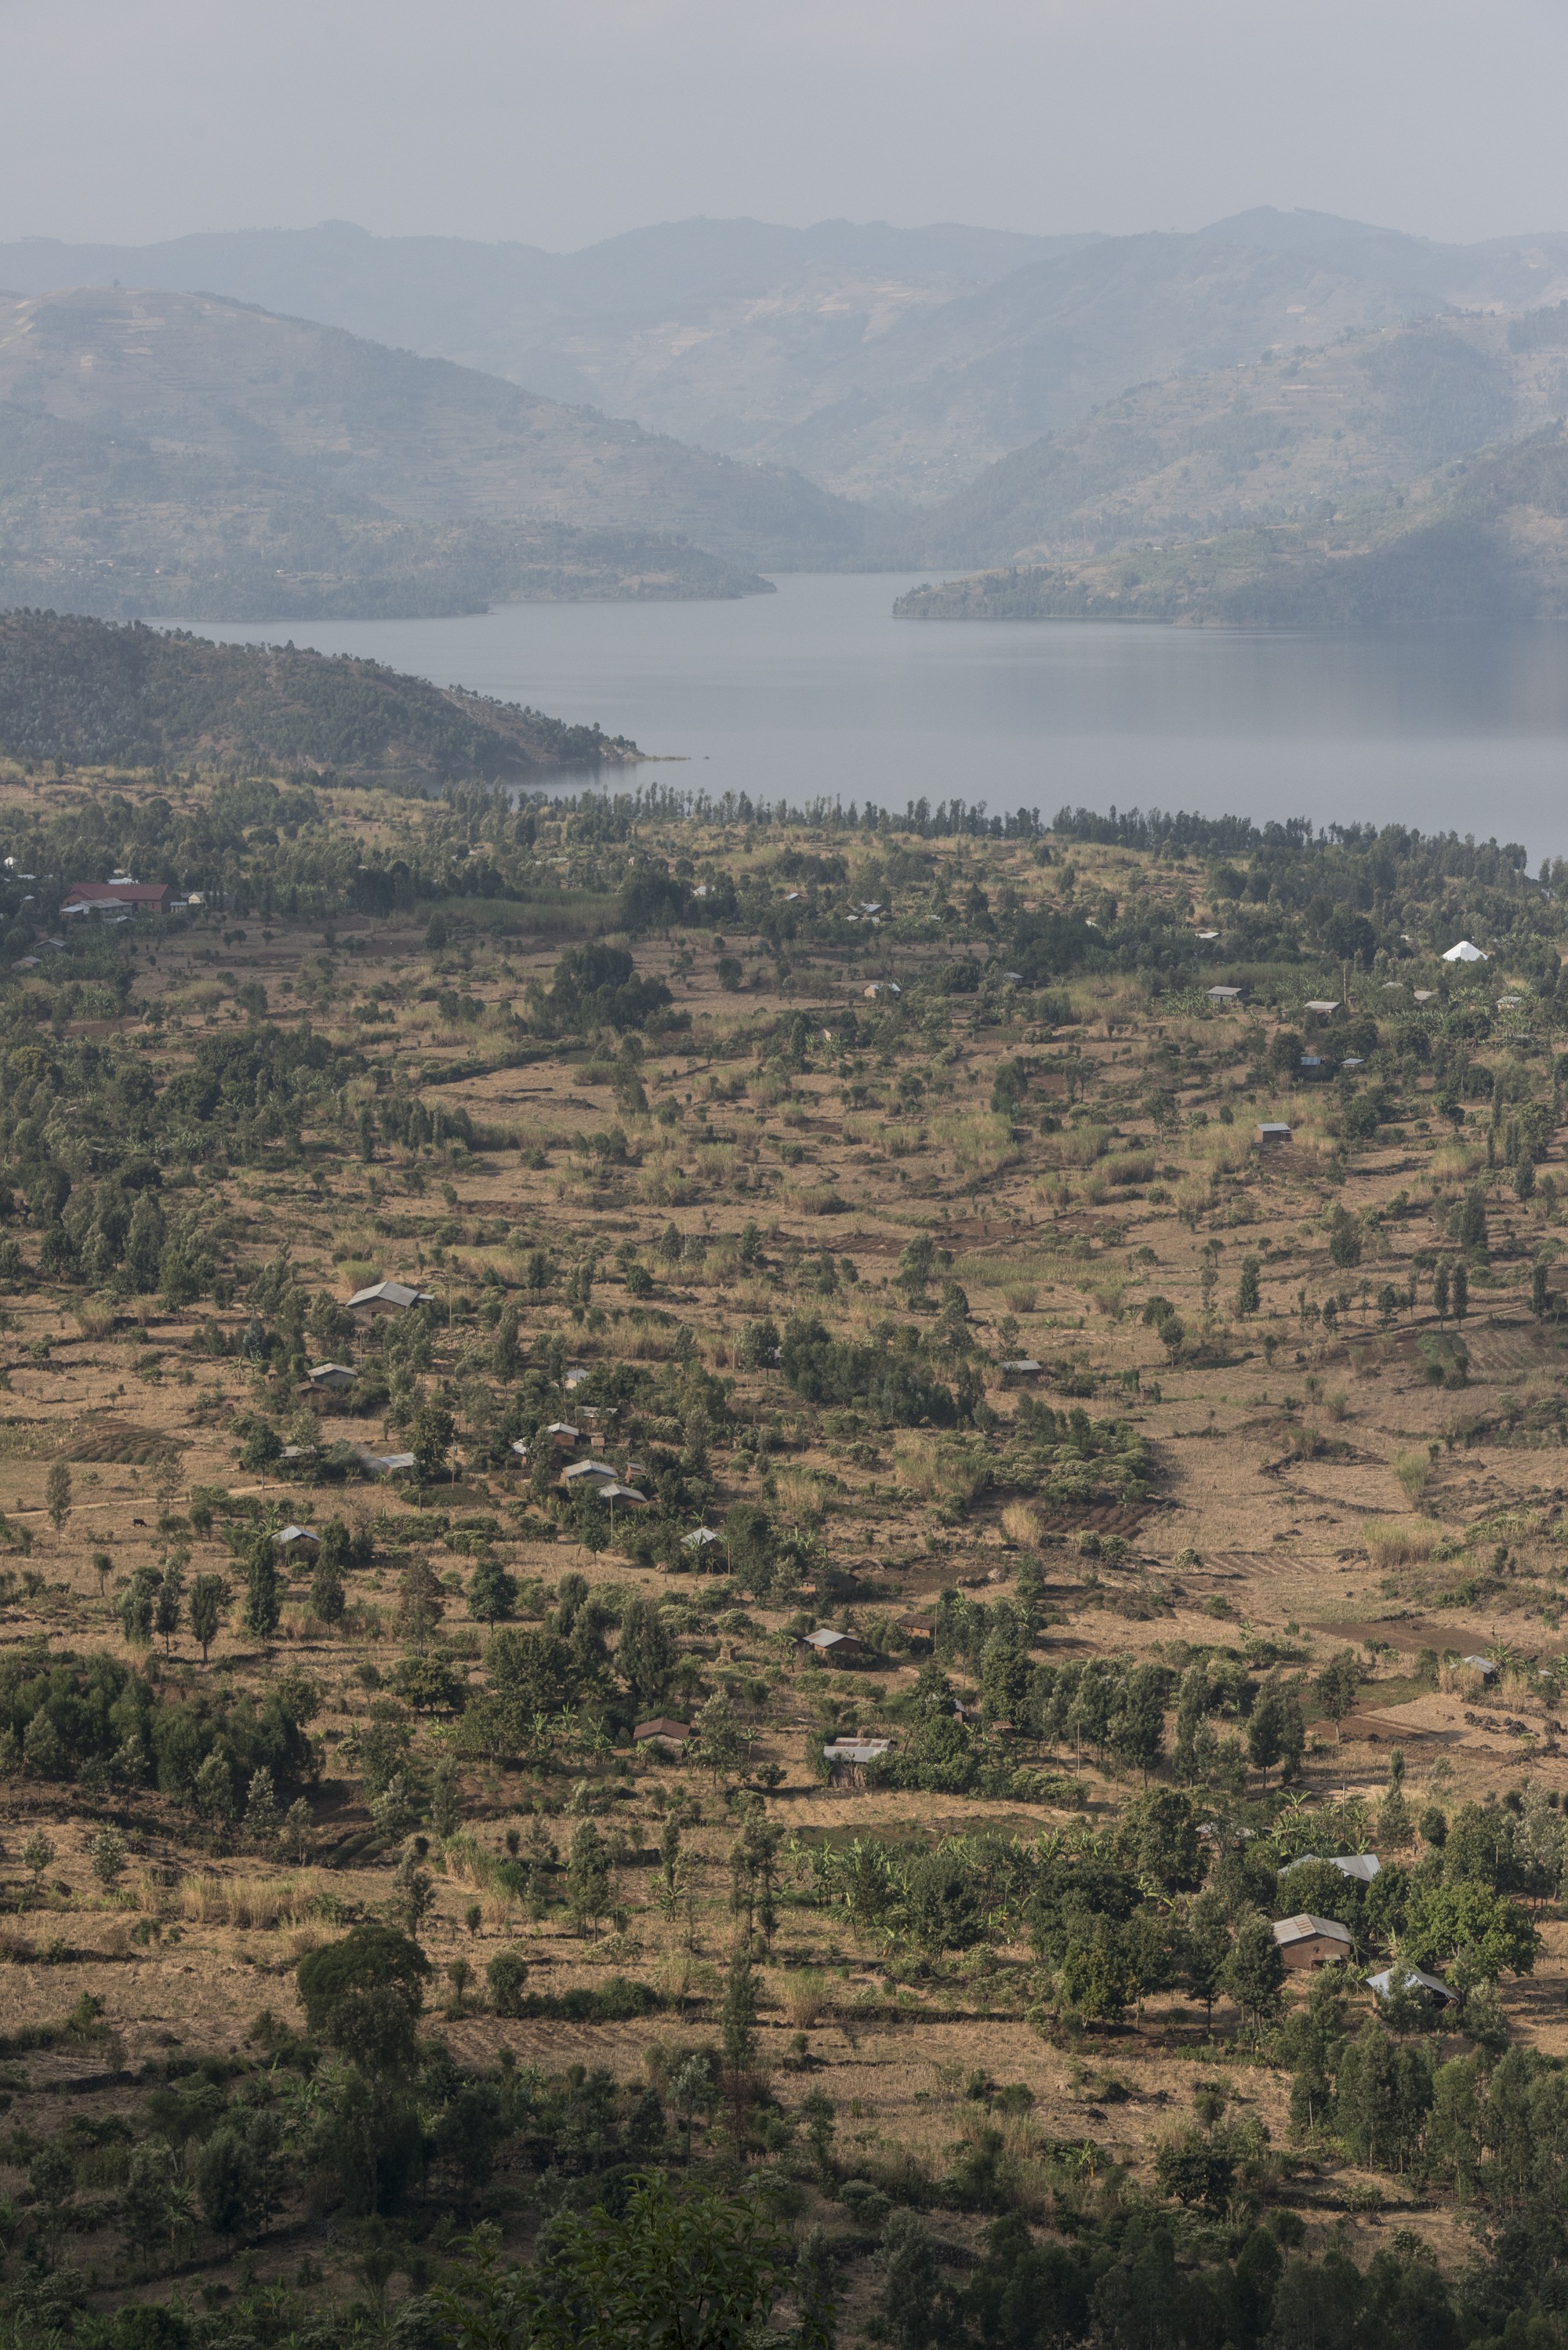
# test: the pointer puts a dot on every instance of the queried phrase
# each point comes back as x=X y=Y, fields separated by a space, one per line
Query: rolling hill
x=92 y=693
x=1298 y=436
x=1482 y=539
x=882 y=362
x=186 y=454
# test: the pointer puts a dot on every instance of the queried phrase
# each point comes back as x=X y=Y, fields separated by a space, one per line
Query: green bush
x=506 y=1974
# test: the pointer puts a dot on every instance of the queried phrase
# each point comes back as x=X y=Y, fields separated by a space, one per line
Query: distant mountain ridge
x=1297 y=436
x=193 y=456
x=1483 y=539
x=883 y=363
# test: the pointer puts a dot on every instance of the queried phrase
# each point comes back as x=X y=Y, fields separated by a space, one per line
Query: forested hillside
x=87 y=692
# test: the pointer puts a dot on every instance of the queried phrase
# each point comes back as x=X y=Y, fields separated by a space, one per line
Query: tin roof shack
x=383 y=1464
x=830 y=1647
x=1409 y=1983
x=1307 y=1941
x=1224 y=995
x=1270 y=1133
x=586 y=1474
x=385 y=1298
x=847 y=1758
x=668 y=1736
x=331 y=1377
x=1360 y=1867
x=295 y=1541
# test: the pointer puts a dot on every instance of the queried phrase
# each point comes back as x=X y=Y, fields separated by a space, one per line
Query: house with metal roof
x=383 y=1464
x=1360 y=1867
x=1308 y=1941
x=825 y=1642
x=1412 y=1984
x=384 y=1298
x=850 y=1757
x=119 y=894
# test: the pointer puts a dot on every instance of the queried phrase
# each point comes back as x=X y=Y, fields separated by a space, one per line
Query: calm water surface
x=817 y=690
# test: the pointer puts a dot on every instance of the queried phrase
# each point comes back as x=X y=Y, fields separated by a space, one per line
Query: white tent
x=1465 y=952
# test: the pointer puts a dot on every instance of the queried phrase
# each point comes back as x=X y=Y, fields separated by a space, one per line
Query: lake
x=817 y=690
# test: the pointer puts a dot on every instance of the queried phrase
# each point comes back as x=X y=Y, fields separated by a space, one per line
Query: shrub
x=506 y=1974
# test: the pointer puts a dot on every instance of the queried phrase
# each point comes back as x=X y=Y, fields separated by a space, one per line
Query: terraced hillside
x=748 y=1727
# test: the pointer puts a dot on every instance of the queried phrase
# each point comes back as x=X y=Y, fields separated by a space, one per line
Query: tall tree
x=58 y=1496
x=210 y=1597
x=264 y=1595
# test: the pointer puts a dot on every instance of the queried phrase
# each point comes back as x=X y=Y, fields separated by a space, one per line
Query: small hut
x=829 y=1645
x=1307 y=1941
x=385 y=1299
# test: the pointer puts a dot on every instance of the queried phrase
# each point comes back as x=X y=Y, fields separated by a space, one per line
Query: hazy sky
x=559 y=124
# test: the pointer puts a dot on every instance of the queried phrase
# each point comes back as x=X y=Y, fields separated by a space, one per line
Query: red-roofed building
x=98 y=896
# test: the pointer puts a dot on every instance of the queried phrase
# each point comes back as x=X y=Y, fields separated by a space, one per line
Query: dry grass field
x=1249 y=1445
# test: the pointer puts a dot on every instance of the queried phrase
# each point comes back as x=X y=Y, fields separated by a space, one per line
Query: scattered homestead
x=383 y=1298
x=1309 y=1941
x=1029 y=1572
x=1361 y=1865
x=1411 y=1981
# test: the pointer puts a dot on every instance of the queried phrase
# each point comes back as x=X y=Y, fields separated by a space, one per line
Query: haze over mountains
x=1298 y=435
x=883 y=362
x=187 y=454
x=841 y=397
